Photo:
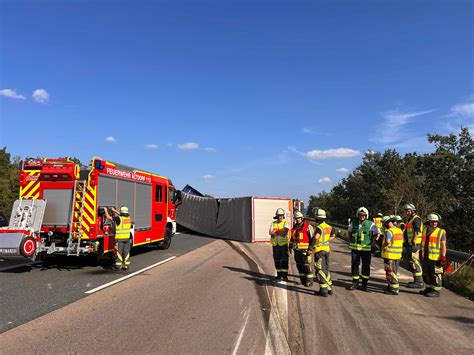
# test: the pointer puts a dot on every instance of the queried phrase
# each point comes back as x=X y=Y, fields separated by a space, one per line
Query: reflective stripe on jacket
x=434 y=243
x=279 y=239
x=361 y=235
x=301 y=236
x=409 y=230
x=122 y=231
x=394 y=250
x=323 y=242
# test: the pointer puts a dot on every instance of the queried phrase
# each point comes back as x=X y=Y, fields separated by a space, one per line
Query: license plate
x=8 y=251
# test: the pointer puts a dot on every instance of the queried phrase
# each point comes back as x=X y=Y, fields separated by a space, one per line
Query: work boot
x=425 y=291
x=415 y=284
x=308 y=283
x=330 y=292
x=390 y=291
x=278 y=277
x=354 y=285
x=364 y=285
x=432 y=293
x=323 y=292
x=124 y=267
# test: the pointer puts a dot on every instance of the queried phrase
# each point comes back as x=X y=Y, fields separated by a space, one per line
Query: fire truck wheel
x=166 y=243
x=28 y=247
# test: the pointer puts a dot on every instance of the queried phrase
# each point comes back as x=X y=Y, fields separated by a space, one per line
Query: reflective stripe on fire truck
x=31 y=189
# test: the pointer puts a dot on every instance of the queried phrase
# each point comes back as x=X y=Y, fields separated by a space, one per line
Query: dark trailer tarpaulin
x=240 y=219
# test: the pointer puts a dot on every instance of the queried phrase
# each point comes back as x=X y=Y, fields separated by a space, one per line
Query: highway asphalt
x=29 y=291
x=221 y=298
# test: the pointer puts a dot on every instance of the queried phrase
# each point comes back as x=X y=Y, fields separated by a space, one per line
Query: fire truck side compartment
x=136 y=196
x=58 y=209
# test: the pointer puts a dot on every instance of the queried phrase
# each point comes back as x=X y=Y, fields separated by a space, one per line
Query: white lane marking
x=129 y=276
x=242 y=330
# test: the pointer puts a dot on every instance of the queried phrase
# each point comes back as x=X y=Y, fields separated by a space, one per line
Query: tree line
x=441 y=182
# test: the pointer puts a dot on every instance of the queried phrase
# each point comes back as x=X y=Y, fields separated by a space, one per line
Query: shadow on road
x=267 y=280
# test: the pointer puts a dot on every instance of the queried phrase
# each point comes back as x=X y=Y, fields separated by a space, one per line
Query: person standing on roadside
x=392 y=247
x=433 y=256
x=301 y=237
x=412 y=237
x=123 y=243
x=362 y=233
x=323 y=234
x=279 y=239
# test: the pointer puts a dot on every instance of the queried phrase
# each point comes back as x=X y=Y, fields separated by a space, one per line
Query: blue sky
x=237 y=98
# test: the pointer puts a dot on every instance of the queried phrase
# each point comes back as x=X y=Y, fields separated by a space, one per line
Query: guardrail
x=455 y=257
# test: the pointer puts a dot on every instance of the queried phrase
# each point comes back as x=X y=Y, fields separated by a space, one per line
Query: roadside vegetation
x=441 y=182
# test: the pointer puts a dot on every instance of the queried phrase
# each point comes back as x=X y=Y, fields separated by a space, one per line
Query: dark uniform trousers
x=122 y=257
x=280 y=257
x=432 y=275
x=303 y=263
x=391 y=270
x=321 y=263
x=357 y=256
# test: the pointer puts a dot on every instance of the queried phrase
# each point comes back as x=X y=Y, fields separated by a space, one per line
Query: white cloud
x=342 y=170
x=188 y=146
x=393 y=128
x=12 y=94
x=332 y=153
x=465 y=109
x=41 y=96
x=461 y=114
x=210 y=150
x=151 y=146
x=110 y=139
x=325 y=180
x=307 y=130
x=208 y=177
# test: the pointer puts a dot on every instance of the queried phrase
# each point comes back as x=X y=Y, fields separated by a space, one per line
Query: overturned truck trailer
x=245 y=219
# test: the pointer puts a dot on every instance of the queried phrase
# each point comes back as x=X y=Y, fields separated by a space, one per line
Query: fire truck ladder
x=77 y=214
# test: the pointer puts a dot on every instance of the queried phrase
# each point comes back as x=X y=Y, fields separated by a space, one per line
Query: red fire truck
x=61 y=208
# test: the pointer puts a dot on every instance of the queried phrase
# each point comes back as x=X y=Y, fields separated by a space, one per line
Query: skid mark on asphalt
x=275 y=302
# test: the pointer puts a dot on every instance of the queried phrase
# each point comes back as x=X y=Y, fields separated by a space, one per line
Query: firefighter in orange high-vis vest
x=433 y=256
x=412 y=236
x=322 y=235
x=301 y=236
x=123 y=243
x=279 y=230
x=392 y=248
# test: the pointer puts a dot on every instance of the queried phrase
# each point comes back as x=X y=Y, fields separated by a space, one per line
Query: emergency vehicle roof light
x=99 y=164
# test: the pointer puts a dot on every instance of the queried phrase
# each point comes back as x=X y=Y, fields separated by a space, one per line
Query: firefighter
x=412 y=240
x=392 y=247
x=320 y=243
x=433 y=256
x=122 y=236
x=399 y=222
x=301 y=236
x=279 y=239
x=362 y=233
x=378 y=242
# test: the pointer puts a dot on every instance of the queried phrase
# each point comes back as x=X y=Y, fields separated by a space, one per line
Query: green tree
x=9 y=187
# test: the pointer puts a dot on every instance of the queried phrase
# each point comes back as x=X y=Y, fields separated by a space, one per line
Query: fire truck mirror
x=177 y=197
